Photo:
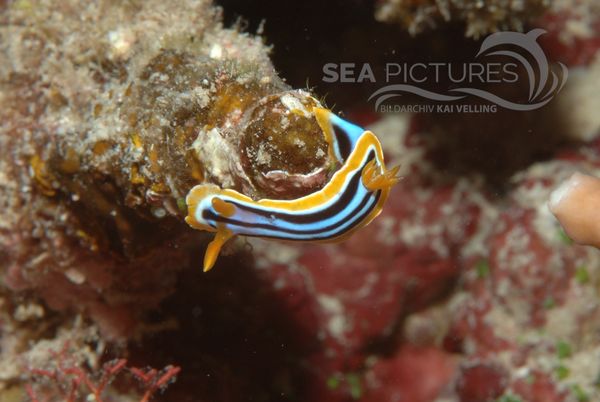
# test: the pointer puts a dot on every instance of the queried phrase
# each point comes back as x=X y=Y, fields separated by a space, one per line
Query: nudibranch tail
x=352 y=198
x=214 y=248
x=197 y=201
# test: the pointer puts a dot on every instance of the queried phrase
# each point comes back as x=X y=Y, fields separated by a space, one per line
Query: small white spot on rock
x=75 y=276
x=120 y=41
x=26 y=312
x=216 y=52
x=159 y=212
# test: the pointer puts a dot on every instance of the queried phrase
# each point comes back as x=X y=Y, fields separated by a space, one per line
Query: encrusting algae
x=188 y=119
x=479 y=18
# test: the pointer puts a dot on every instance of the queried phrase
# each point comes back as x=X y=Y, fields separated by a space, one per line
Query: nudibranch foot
x=350 y=200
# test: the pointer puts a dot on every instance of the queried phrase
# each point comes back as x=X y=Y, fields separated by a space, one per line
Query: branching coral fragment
x=154 y=380
x=74 y=383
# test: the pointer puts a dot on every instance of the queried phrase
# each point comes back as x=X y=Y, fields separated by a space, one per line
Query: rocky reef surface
x=464 y=290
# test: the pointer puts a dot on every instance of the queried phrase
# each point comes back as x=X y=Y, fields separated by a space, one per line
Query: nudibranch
x=350 y=200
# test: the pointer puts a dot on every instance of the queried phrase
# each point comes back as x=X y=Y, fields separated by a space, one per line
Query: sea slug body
x=353 y=197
